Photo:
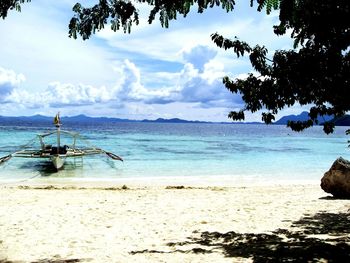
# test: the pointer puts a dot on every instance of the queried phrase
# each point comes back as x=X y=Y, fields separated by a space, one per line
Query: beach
x=120 y=222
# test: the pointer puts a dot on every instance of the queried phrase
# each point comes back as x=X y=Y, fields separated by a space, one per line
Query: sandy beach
x=171 y=223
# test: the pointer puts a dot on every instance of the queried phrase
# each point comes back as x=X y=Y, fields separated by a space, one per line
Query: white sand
x=99 y=225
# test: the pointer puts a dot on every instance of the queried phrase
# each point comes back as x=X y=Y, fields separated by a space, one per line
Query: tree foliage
x=6 y=5
x=315 y=72
x=268 y=4
x=123 y=14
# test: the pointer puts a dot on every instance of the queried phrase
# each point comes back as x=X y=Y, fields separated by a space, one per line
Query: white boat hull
x=58 y=161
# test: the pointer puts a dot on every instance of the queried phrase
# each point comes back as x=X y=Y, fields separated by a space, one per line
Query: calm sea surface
x=151 y=150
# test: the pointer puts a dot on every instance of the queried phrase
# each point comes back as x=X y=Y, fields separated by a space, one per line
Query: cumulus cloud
x=68 y=94
x=130 y=88
x=199 y=82
x=190 y=85
x=198 y=56
x=9 y=80
x=206 y=87
x=24 y=99
x=61 y=95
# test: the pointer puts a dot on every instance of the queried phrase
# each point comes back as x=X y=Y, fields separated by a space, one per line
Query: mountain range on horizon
x=302 y=117
x=343 y=121
x=86 y=119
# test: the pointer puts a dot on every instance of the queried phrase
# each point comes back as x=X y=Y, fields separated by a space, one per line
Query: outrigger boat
x=58 y=154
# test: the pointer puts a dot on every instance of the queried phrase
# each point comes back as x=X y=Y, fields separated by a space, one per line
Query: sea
x=156 y=151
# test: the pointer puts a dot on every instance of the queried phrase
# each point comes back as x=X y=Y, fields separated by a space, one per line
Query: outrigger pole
x=5 y=158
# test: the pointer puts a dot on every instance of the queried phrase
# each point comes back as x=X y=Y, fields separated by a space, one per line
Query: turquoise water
x=152 y=150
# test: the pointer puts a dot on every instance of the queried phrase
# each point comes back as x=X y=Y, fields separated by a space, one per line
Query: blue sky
x=151 y=73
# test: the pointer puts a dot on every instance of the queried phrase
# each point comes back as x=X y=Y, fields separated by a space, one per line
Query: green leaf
x=236 y=116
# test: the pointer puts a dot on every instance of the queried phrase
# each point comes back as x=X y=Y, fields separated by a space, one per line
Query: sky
x=151 y=73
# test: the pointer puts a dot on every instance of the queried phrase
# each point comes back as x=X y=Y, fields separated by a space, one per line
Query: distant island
x=27 y=120
x=342 y=121
x=87 y=119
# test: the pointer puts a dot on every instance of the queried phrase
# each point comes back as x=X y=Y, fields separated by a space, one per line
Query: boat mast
x=57 y=123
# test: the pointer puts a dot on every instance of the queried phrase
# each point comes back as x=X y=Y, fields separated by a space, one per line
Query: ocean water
x=257 y=152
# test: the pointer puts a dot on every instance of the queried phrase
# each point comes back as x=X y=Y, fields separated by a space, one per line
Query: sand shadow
x=330 y=197
x=304 y=243
x=74 y=260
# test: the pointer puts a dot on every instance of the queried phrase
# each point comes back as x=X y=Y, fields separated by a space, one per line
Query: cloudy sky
x=151 y=73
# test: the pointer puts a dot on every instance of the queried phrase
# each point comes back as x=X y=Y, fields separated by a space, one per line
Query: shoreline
x=159 y=181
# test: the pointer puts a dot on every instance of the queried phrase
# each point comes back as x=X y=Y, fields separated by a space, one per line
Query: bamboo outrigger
x=58 y=154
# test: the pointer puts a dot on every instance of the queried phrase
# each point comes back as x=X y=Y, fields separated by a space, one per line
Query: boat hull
x=58 y=161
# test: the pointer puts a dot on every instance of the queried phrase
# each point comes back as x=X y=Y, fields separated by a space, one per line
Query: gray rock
x=337 y=180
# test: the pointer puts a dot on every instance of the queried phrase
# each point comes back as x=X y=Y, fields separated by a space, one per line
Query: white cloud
x=56 y=94
x=37 y=44
x=158 y=69
x=194 y=30
x=199 y=83
x=201 y=80
x=183 y=33
x=60 y=95
x=199 y=55
x=130 y=88
x=206 y=87
x=68 y=94
x=9 y=80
